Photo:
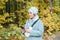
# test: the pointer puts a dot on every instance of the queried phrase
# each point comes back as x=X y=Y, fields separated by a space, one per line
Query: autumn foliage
x=11 y=17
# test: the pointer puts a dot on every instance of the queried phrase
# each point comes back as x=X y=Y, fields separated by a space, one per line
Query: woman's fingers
x=27 y=30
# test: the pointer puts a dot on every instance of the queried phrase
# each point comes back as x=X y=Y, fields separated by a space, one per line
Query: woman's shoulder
x=40 y=20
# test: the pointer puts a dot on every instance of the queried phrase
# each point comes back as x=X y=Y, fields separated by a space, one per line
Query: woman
x=34 y=32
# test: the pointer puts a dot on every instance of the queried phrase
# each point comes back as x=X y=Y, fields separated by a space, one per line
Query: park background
x=14 y=13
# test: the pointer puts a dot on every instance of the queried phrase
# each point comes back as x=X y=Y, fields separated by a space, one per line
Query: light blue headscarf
x=34 y=10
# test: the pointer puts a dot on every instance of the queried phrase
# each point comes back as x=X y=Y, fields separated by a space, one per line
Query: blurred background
x=14 y=13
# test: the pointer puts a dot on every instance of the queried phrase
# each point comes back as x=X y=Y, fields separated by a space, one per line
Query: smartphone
x=21 y=27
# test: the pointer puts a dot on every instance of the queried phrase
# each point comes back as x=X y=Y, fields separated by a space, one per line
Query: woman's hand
x=27 y=30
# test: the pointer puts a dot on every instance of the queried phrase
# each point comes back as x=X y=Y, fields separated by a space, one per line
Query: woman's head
x=32 y=12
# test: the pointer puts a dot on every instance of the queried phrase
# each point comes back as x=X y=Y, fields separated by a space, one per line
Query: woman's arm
x=38 y=32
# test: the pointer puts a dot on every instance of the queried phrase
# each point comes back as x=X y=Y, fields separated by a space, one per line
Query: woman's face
x=31 y=15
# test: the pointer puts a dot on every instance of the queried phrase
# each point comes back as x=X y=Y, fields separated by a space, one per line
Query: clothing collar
x=35 y=18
